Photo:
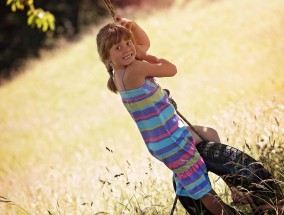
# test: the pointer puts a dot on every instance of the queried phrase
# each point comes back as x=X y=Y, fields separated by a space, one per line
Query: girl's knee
x=208 y=133
x=211 y=131
x=213 y=135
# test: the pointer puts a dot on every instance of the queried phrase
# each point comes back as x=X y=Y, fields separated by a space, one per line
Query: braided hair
x=108 y=36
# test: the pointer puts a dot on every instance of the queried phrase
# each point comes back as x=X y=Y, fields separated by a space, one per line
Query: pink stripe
x=190 y=171
x=182 y=160
x=151 y=114
x=161 y=136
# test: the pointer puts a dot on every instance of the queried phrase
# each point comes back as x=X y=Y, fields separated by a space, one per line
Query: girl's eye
x=129 y=43
x=118 y=48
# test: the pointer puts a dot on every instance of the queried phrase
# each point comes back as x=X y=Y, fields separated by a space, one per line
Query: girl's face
x=122 y=54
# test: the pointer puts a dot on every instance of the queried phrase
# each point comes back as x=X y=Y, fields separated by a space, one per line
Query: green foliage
x=41 y=19
x=37 y=17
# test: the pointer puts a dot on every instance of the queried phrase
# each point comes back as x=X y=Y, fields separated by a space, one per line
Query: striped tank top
x=166 y=136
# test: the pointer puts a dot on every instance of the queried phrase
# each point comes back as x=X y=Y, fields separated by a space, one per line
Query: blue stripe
x=145 y=88
x=156 y=121
x=169 y=157
x=161 y=129
x=172 y=146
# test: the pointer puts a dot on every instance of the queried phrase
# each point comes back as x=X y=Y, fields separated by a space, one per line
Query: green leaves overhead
x=37 y=17
x=41 y=19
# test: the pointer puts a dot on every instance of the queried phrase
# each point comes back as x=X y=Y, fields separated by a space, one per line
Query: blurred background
x=67 y=144
x=18 y=41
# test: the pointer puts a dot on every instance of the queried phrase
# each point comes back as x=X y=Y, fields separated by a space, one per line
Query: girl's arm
x=142 y=40
x=149 y=65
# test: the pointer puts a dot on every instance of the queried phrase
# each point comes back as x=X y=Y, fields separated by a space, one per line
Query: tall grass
x=68 y=146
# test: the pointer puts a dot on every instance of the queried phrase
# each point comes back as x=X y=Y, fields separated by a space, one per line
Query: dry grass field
x=68 y=146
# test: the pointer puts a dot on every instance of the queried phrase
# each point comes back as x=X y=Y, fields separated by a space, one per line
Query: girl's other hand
x=140 y=55
x=127 y=23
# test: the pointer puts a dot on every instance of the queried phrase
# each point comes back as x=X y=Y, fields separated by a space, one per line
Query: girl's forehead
x=122 y=40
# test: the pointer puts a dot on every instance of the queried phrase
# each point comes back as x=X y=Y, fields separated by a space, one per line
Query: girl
x=123 y=49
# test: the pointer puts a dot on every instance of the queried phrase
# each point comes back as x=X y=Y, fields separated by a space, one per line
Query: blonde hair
x=108 y=36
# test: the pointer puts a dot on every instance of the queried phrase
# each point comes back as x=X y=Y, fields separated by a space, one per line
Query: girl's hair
x=108 y=36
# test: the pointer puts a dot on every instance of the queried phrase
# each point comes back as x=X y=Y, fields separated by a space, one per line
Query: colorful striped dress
x=167 y=138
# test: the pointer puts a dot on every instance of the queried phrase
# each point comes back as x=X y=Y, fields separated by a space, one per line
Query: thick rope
x=174 y=205
x=193 y=129
x=183 y=118
x=110 y=9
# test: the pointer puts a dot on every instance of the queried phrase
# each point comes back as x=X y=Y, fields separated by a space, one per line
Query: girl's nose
x=126 y=48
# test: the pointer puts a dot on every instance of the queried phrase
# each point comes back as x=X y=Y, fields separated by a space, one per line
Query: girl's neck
x=119 y=69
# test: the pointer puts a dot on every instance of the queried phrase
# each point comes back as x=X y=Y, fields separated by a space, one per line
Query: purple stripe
x=193 y=175
x=176 y=156
x=150 y=112
x=170 y=147
x=164 y=128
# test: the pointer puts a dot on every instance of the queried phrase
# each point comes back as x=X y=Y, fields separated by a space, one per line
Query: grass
x=57 y=118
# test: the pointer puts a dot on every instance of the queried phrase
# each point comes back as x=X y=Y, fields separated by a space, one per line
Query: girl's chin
x=130 y=62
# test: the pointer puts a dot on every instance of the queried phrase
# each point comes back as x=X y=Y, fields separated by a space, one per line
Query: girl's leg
x=206 y=132
x=211 y=200
x=214 y=204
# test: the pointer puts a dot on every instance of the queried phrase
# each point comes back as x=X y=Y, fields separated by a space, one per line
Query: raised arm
x=142 y=40
x=153 y=66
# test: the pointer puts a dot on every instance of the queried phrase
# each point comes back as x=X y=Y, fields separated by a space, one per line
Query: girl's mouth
x=127 y=57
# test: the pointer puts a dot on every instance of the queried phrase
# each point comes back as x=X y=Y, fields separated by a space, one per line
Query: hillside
x=57 y=118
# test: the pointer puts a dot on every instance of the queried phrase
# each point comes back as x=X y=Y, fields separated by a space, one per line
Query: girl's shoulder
x=137 y=67
x=134 y=75
x=137 y=63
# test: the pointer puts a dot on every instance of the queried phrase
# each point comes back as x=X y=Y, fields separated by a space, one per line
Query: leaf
x=38 y=22
x=13 y=7
x=9 y=2
x=50 y=21
x=31 y=20
x=44 y=25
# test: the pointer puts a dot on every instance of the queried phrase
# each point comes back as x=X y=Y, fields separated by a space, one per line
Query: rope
x=194 y=130
x=110 y=9
x=174 y=205
x=183 y=118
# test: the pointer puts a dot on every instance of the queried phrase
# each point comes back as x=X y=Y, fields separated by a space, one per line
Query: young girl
x=123 y=49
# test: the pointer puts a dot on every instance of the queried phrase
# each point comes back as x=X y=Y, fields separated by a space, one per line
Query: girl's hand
x=140 y=55
x=127 y=23
x=141 y=38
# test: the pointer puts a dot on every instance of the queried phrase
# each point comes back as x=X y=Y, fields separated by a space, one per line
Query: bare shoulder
x=136 y=68
x=134 y=76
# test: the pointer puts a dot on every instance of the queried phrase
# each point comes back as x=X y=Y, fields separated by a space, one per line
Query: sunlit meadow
x=68 y=146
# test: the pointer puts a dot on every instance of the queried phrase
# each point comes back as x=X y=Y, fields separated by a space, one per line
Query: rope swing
x=110 y=9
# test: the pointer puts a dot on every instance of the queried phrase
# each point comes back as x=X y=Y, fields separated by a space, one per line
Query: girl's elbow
x=174 y=71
